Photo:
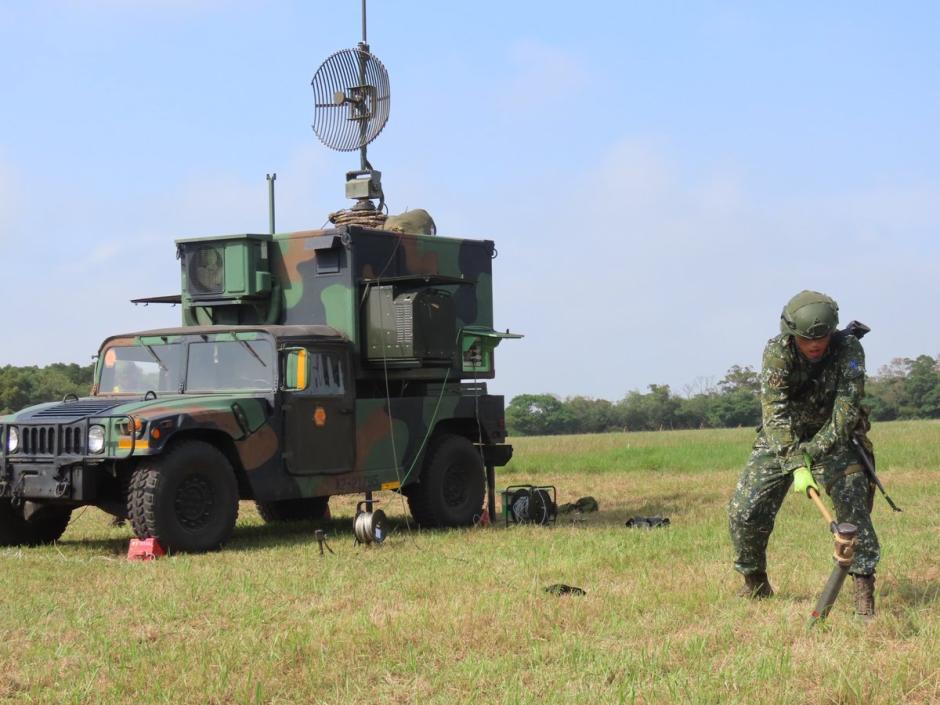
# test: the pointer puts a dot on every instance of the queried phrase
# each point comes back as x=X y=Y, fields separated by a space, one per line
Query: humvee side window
x=327 y=376
x=235 y=364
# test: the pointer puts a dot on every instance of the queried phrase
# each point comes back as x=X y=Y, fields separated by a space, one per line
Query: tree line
x=24 y=386
x=904 y=389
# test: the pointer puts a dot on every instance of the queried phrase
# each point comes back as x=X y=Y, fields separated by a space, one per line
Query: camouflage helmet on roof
x=809 y=314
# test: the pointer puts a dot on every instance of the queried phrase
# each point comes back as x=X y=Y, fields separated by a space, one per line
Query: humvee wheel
x=186 y=499
x=307 y=509
x=45 y=525
x=451 y=489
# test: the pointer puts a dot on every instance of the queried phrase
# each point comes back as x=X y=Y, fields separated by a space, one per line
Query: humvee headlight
x=96 y=439
x=13 y=440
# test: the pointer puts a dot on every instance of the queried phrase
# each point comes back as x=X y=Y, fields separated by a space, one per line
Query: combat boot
x=864 y=596
x=756 y=586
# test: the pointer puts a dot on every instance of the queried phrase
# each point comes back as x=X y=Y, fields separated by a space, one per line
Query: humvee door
x=318 y=408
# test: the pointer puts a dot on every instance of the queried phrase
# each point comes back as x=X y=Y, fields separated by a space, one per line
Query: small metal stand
x=320 y=536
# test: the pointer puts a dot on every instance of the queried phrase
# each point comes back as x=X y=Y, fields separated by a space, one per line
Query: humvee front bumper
x=49 y=481
x=53 y=460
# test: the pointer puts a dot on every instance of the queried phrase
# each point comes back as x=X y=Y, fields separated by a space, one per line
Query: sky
x=659 y=178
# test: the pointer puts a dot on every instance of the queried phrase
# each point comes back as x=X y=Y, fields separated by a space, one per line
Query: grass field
x=461 y=617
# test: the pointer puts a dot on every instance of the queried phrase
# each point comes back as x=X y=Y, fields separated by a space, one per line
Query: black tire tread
x=146 y=486
x=422 y=500
x=44 y=527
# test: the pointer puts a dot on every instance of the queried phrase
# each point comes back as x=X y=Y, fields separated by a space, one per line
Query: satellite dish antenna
x=351 y=104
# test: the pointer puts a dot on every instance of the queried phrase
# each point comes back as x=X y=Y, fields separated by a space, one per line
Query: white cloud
x=539 y=76
x=642 y=273
x=99 y=250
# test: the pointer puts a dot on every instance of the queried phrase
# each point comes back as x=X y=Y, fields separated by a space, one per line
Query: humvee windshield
x=211 y=366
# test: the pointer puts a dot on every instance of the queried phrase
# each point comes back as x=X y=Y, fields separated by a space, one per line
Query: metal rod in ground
x=491 y=491
x=829 y=594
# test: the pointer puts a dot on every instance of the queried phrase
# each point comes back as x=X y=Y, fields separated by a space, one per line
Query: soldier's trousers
x=762 y=488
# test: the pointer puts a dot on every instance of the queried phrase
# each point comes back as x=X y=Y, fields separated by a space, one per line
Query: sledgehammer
x=844 y=535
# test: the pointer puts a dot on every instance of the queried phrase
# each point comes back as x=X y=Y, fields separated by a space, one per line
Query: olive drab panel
x=420 y=304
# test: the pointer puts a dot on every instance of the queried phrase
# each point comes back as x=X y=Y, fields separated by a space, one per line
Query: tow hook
x=64 y=484
x=17 y=492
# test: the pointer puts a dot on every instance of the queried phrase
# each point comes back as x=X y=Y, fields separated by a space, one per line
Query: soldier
x=812 y=384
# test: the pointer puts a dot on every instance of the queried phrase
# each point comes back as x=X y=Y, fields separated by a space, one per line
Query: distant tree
x=657 y=409
x=921 y=397
x=741 y=379
x=24 y=386
x=738 y=404
x=883 y=391
x=586 y=415
x=696 y=411
x=738 y=407
x=905 y=389
x=536 y=415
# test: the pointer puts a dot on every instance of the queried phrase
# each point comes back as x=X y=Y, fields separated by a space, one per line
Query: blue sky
x=659 y=178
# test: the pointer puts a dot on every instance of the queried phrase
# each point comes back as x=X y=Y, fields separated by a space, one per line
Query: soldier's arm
x=846 y=408
x=777 y=408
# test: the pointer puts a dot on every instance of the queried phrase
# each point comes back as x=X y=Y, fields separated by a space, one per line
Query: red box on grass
x=144 y=550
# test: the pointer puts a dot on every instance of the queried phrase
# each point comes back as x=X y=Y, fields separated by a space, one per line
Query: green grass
x=460 y=616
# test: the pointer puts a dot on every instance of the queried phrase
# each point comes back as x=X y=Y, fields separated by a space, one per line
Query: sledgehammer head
x=844 y=535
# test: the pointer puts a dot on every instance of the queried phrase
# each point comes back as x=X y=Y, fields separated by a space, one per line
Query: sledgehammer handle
x=814 y=495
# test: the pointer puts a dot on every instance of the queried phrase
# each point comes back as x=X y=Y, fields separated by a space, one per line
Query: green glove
x=802 y=480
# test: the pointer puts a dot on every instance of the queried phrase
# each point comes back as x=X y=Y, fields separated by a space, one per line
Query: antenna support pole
x=271 y=178
x=364 y=40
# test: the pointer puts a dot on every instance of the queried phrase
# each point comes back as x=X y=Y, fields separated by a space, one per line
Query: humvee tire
x=187 y=499
x=45 y=525
x=307 y=509
x=452 y=485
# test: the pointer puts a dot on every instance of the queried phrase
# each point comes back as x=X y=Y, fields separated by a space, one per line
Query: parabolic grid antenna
x=351 y=100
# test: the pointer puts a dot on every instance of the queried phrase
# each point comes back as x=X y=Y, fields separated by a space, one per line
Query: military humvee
x=309 y=364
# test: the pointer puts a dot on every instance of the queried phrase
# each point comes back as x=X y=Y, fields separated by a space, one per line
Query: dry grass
x=459 y=617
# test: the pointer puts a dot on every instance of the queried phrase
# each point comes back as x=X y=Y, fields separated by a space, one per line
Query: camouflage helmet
x=809 y=314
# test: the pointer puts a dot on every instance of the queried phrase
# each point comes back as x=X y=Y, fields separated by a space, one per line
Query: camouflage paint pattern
x=304 y=289
x=322 y=276
x=389 y=446
x=808 y=408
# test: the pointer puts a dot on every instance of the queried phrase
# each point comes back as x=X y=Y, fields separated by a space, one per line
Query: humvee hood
x=87 y=407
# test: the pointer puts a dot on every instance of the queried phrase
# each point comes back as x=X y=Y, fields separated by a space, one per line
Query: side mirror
x=295 y=369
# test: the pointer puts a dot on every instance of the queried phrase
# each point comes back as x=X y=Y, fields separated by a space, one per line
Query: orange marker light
x=319 y=416
x=155 y=433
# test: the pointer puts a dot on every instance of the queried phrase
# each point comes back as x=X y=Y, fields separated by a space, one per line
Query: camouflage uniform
x=808 y=408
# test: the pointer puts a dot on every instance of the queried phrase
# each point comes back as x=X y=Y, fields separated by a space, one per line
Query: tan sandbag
x=413 y=222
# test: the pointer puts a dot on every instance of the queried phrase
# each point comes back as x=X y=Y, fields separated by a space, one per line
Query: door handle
x=346 y=410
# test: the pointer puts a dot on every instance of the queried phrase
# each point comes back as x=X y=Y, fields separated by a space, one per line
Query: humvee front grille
x=52 y=440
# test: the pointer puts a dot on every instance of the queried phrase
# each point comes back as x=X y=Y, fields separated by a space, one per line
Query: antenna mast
x=351 y=107
x=364 y=49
